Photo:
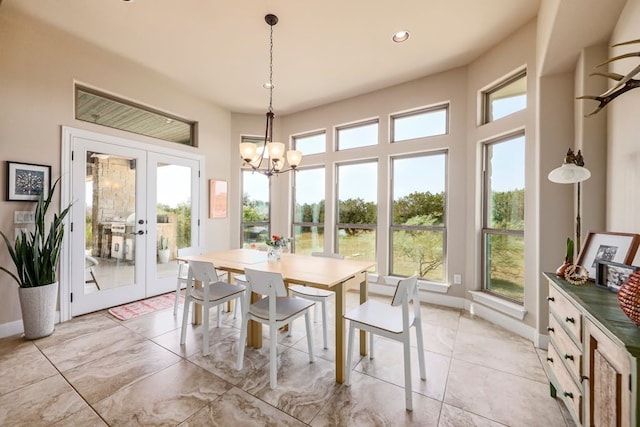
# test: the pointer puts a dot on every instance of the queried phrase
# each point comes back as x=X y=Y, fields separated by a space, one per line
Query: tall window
x=313 y=143
x=505 y=98
x=503 y=217
x=308 y=211
x=255 y=209
x=418 y=233
x=357 y=135
x=420 y=123
x=357 y=210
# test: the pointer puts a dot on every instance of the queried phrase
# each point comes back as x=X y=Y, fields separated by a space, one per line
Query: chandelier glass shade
x=276 y=150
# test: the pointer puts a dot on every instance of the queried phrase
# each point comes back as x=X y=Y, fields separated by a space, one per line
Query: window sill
x=440 y=288
x=510 y=309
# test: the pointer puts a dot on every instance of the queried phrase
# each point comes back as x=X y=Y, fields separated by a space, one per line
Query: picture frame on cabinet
x=611 y=275
x=607 y=246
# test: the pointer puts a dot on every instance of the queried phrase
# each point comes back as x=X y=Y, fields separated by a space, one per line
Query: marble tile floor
x=96 y=370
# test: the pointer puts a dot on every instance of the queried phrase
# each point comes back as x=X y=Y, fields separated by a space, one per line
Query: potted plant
x=36 y=256
x=568 y=259
x=163 y=250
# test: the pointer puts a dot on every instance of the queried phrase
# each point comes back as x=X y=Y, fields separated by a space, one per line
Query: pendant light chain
x=271 y=69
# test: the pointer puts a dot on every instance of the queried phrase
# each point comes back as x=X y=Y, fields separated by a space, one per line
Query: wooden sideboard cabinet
x=593 y=355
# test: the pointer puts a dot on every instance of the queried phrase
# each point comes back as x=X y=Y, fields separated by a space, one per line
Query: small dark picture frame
x=26 y=181
x=611 y=275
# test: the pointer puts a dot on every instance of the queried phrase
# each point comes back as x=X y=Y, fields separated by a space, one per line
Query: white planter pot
x=163 y=256
x=38 y=306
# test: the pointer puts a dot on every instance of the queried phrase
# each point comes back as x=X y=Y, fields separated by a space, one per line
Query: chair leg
x=349 y=354
x=273 y=356
x=370 y=346
x=235 y=308
x=175 y=306
x=316 y=317
x=324 y=322
x=420 y=342
x=205 y=330
x=94 y=279
x=307 y=320
x=185 y=316
x=242 y=343
x=408 y=395
x=219 y=320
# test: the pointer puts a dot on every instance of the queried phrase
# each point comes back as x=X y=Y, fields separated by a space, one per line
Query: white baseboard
x=17 y=328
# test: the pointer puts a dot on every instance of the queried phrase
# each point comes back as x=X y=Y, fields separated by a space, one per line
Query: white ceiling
x=324 y=50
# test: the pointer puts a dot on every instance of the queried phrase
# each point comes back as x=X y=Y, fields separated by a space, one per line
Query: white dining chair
x=183 y=272
x=212 y=294
x=319 y=296
x=394 y=322
x=277 y=309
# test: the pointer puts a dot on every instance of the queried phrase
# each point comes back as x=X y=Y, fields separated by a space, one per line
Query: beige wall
x=38 y=67
x=514 y=53
x=623 y=161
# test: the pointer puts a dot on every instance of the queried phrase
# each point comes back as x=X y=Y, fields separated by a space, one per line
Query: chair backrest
x=203 y=271
x=406 y=288
x=265 y=283
x=327 y=255
x=406 y=291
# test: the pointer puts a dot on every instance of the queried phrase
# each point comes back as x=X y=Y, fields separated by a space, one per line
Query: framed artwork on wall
x=217 y=199
x=606 y=246
x=26 y=182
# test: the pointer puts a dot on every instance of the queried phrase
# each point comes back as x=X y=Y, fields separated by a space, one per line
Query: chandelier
x=248 y=150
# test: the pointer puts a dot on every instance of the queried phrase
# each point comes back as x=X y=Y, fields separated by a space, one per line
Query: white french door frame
x=154 y=154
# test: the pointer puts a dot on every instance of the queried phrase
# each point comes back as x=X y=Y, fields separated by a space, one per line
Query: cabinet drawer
x=569 y=352
x=567 y=313
x=566 y=388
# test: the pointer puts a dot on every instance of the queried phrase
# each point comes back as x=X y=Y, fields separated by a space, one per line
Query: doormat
x=146 y=306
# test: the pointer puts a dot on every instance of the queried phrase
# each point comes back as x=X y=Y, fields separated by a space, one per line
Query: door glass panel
x=109 y=222
x=173 y=215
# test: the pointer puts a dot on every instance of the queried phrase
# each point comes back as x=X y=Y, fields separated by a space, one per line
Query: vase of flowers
x=276 y=245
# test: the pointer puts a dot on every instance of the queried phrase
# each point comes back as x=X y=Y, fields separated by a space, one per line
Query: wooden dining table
x=337 y=275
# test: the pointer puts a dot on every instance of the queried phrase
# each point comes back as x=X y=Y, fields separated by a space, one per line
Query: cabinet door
x=609 y=389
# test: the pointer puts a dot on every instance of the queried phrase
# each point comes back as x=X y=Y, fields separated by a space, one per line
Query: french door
x=133 y=209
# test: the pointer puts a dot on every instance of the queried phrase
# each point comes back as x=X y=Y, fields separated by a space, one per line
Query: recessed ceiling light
x=401 y=36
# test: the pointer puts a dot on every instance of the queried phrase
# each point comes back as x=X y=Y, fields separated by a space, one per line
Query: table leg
x=341 y=348
x=364 y=295
x=197 y=308
x=254 y=333
x=341 y=325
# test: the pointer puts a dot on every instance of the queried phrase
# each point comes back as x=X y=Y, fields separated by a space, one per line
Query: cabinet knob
x=550 y=359
x=570 y=320
x=550 y=329
x=568 y=394
x=568 y=356
x=551 y=299
x=584 y=378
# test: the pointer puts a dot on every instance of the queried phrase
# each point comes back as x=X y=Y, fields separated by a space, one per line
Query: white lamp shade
x=276 y=150
x=569 y=173
x=278 y=165
x=294 y=158
x=248 y=151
